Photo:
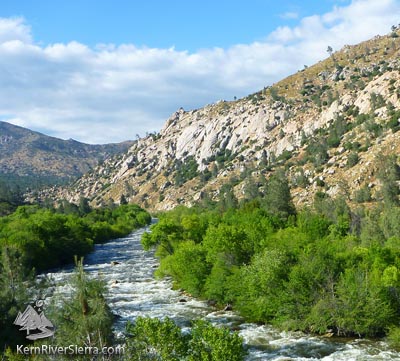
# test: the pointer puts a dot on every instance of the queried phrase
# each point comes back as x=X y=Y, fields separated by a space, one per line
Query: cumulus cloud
x=14 y=29
x=111 y=93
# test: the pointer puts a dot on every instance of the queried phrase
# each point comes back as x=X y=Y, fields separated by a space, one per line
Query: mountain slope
x=25 y=154
x=328 y=125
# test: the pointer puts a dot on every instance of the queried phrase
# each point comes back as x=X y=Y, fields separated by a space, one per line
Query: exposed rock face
x=197 y=151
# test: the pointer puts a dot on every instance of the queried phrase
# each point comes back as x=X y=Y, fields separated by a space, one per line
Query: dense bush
x=317 y=270
x=45 y=238
x=154 y=339
x=34 y=237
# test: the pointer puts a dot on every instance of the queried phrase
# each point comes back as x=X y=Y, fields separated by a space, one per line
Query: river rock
x=228 y=307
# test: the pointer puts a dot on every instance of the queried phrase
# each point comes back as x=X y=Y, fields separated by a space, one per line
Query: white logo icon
x=32 y=320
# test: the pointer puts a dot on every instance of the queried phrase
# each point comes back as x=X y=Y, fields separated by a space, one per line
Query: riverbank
x=138 y=293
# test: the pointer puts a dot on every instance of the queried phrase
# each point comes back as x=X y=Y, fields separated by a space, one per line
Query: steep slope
x=28 y=155
x=328 y=125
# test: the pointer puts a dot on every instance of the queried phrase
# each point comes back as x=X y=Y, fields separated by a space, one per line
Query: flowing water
x=133 y=291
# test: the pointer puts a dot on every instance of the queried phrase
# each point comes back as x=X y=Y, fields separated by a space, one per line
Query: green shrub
x=154 y=339
x=352 y=159
x=363 y=195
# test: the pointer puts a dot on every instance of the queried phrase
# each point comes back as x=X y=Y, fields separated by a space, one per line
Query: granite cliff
x=328 y=125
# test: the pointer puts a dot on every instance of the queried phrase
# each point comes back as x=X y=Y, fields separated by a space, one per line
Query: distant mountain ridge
x=29 y=155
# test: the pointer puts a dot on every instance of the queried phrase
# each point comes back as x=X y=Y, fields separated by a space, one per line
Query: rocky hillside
x=34 y=157
x=329 y=125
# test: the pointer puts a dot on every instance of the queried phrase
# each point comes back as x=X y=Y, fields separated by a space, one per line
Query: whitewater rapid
x=133 y=291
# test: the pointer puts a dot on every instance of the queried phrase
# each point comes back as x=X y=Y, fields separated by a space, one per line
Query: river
x=133 y=291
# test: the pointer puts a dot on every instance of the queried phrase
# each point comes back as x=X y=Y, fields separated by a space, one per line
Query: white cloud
x=14 y=29
x=290 y=15
x=111 y=93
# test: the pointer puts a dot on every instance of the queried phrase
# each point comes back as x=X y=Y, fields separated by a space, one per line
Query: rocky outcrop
x=197 y=151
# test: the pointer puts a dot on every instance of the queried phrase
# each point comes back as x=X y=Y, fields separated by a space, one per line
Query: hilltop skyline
x=100 y=81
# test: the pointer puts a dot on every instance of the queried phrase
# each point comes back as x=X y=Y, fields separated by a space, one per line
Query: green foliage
x=274 y=94
x=224 y=156
x=377 y=101
x=35 y=239
x=31 y=181
x=394 y=117
x=187 y=266
x=227 y=198
x=10 y=197
x=335 y=132
x=389 y=174
x=48 y=239
x=352 y=159
x=300 y=178
x=164 y=235
x=185 y=170
x=363 y=307
x=363 y=195
x=210 y=343
x=84 y=207
x=284 y=156
x=373 y=128
x=278 y=200
x=317 y=151
x=217 y=284
x=84 y=318
x=394 y=337
x=261 y=286
x=228 y=241
x=14 y=294
x=154 y=339
x=318 y=269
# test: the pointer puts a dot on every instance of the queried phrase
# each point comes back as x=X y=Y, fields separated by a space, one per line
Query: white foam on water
x=133 y=291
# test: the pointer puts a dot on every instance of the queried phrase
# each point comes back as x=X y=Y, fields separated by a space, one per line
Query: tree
x=187 y=266
x=329 y=50
x=84 y=207
x=389 y=174
x=123 y=200
x=13 y=295
x=278 y=200
x=85 y=317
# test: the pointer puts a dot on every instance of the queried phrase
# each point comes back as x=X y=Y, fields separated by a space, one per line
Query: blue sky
x=103 y=71
x=185 y=25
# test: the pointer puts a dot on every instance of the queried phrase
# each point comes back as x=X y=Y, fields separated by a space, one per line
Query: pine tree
x=85 y=317
x=278 y=199
x=14 y=295
x=389 y=174
x=84 y=207
x=123 y=200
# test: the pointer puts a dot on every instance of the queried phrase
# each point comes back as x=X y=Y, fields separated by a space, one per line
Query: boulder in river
x=228 y=307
